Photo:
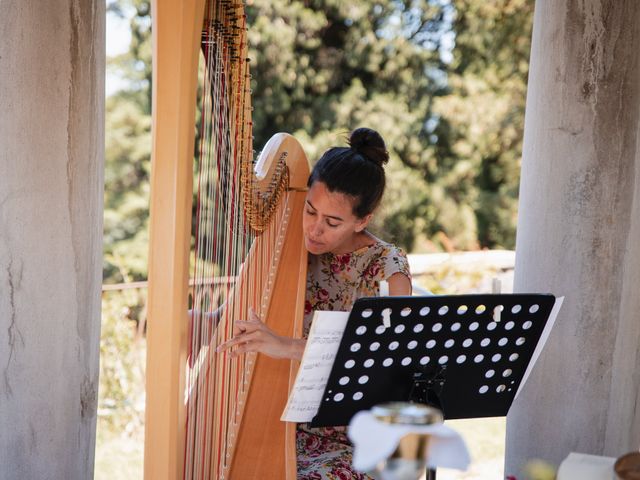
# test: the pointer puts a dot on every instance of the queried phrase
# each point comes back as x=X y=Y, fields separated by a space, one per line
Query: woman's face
x=328 y=221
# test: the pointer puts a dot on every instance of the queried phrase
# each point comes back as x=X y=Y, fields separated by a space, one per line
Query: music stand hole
x=344 y=380
x=418 y=328
x=393 y=345
x=483 y=389
x=467 y=342
x=462 y=309
x=355 y=347
x=431 y=343
x=449 y=343
x=387 y=362
x=496 y=357
x=516 y=309
x=399 y=328
x=491 y=326
x=405 y=312
x=361 y=330
x=490 y=373
x=520 y=341
x=501 y=388
x=473 y=326
x=406 y=361
x=368 y=363
x=349 y=364
x=481 y=309
x=443 y=359
x=485 y=342
x=380 y=329
x=374 y=346
x=456 y=326
x=478 y=358
x=424 y=311
x=358 y=396
x=363 y=379
x=527 y=325
x=534 y=308
x=513 y=357
x=367 y=312
x=338 y=397
x=412 y=344
x=461 y=359
x=507 y=373
x=436 y=327
x=509 y=325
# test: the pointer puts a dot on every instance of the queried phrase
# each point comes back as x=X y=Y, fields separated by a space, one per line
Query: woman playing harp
x=345 y=262
x=208 y=416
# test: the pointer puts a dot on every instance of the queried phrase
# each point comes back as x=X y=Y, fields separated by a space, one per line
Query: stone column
x=52 y=66
x=579 y=231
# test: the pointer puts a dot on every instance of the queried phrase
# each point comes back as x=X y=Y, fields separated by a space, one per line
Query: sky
x=118 y=38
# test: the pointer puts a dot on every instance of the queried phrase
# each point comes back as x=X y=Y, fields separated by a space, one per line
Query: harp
x=208 y=416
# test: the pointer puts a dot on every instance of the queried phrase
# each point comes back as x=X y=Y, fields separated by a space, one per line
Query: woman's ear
x=362 y=223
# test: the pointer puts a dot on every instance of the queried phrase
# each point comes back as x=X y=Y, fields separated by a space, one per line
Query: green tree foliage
x=322 y=68
x=128 y=152
x=482 y=117
x=444 y=82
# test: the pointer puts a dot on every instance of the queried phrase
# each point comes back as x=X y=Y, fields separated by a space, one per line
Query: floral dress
x=335 y=282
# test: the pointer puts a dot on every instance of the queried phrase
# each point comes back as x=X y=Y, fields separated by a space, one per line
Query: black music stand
x=465 y=354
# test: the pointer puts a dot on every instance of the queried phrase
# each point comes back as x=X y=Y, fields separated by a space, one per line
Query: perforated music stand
x=466 y=354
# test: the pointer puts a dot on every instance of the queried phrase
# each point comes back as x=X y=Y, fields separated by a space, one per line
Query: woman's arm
x=399 y=285
x=253 y=335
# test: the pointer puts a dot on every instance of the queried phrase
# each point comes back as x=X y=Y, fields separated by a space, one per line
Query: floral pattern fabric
x=335 y=282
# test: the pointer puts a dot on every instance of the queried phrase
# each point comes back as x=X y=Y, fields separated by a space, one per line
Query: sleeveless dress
x=335 y=282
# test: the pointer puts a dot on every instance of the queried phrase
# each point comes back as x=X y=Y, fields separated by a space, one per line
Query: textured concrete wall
x=579 y=231
x=51 y=176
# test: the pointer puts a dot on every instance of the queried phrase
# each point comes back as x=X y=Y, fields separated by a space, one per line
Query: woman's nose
x=316 y=228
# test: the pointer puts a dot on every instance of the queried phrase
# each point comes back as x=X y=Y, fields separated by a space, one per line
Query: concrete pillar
x=579 y=231
x=52 y=57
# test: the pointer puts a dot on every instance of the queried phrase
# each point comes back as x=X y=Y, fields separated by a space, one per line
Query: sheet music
x=543 y=339
x=320 y=352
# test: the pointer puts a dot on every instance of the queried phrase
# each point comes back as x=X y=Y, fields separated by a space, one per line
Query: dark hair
x=357 y=170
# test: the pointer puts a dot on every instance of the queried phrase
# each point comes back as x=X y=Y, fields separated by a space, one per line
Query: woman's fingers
x=238 y=340
x=253 y=335
x=246 y=326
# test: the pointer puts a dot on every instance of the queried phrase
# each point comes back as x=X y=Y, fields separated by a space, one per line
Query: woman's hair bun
x=369 y=144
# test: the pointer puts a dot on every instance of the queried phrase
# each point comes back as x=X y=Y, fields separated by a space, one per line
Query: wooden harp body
x=209 y=416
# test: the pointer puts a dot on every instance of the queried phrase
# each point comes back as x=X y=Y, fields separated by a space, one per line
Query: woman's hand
x=255 y=336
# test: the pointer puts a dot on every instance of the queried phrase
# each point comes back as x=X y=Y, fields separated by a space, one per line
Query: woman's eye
x=309 y=212
x=332 y=225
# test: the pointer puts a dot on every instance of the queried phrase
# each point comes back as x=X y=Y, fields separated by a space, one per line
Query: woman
x=346 y=262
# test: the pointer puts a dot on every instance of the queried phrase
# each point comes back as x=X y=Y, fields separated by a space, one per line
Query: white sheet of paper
x=320 y=352
x=586 y=467
x=543 y=339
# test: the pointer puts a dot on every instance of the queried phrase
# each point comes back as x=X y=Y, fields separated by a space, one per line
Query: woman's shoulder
x=387 y=249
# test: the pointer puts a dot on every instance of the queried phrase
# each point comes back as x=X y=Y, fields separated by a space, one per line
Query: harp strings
x=230 y=264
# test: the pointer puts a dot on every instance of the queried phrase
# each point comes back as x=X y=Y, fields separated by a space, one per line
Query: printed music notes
x=322 y=345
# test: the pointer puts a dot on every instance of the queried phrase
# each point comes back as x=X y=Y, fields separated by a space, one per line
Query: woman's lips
x=314 y=243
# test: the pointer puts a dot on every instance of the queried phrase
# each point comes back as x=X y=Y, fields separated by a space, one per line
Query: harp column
x=52 y=66
x=579 y=231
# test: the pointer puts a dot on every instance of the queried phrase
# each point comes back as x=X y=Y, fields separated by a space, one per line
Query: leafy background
x=443 y=81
